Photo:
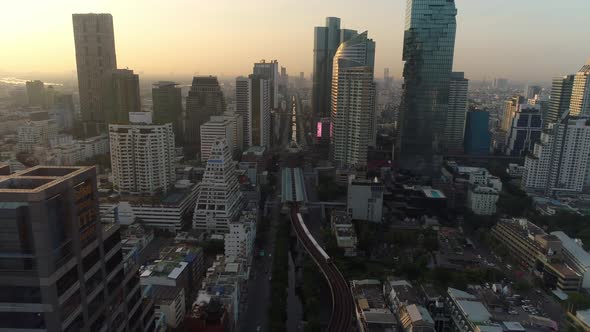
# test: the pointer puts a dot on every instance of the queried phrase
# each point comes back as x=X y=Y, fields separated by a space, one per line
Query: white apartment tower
x=580 y=100
x=353 y=102
x=142 y=157
x=219 y=201
x=253 y=104
x=218 y=127
x=560 y=162
x=239 y=242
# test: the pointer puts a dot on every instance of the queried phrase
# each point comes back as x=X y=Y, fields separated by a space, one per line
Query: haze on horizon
x=524 y=40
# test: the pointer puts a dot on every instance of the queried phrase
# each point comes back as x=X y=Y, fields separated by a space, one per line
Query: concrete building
x=170 y=301
x=525 y=131
x=510 y=109
x=456 y=114
x=171 y=213
x=219 y=200
x=35 y=134
x=238 y=134
x=500 y=83
x=575 y=256
x=559 y=161
x=239 y=241
x=63 y=269
x=559 y=103
x=537 y=251
x=477 y=138
x=142 y=156
x=167 y=107
x=353 y=102
x=35 y=93
x=371 y=308
x=253 y=104
x=365 y=200
x=580 y=100
x=482 y=200
x=204 y=100
x=343 y=230
x=217 y=128
x=94 y=40
x=123 y=96
x=269 y=71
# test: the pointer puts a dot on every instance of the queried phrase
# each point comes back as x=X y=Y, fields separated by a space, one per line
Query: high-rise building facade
x=525 y=131
x=580 y=100
x=510 y=109
x=560 y=161
x=61 y=269
x=270 y=72
x=326 y=42
x=217 y=128
x=500 y=83
x=559 y=103
x=253 y=104
x=429 y=44
x=142 y=157
x=532 y=91
x=167 y=107
x=35 y=93
x=124 y=95
x=237 y=124
x=204 y=100
x=94 y=40
x=477 y=139
x=455 y=123
x=353 y=102
x=220 y=200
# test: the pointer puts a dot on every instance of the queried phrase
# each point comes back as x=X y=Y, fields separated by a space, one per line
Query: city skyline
x=484 y=30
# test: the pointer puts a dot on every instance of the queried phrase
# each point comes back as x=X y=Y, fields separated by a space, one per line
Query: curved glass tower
x=429 y=42
x=353 y=102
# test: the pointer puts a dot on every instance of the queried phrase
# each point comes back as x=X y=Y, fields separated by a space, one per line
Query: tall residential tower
x=353 y=102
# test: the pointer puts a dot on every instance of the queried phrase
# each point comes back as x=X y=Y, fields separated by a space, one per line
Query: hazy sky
x=519 y=39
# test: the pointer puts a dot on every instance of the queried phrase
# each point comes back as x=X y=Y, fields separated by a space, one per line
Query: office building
x=353 y=102
x=365 y=199
x=559 y=161
x=142 y=156
x=561 y=93
x=239 y=241
x=94 y=40
x=429 y=43
x=455 y=123
x=580 y=100
x=167 y=107
x=62 y=270
x=35 y=134
x=219 y=201
x=204 y=100
x=237 y=124
x=532 y=91
x=218 y=127
x=35 y=93
x=477 y=138
x=327 y=39
x=124 y=96
x=269 y=71
x=62 y=111
x=525 y=131
x=253 y=105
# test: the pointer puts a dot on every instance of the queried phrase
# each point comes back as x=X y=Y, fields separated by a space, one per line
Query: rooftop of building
x=174 y=197
x=368 y=294
x=574 y=248
x=163 y=268
x=341 y=218
x=404 y=291
x=39 y=178
x=255 y=150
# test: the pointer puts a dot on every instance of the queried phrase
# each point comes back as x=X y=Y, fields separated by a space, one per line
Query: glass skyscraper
x=429 y=42
x=561 y=93
x=326 y=42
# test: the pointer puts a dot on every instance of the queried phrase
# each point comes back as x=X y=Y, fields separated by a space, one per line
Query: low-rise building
x=482 y=200
x=372 y=311
x=170 y=301
x=208 y=314
x=515 y=170
x=343 y=230
x=575 y=256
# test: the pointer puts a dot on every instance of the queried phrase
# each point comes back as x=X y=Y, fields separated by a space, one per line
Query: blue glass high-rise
x=429 y=43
